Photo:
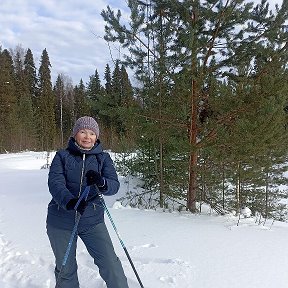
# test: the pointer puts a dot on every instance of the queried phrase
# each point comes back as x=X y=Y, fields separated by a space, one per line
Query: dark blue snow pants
x=99 y=246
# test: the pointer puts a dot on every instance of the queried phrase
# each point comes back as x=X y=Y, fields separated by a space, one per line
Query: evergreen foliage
x=26 y=125
x=46 y=102
x=206 y=121
x=80 y=101
x=211 y=69
x=8 y=103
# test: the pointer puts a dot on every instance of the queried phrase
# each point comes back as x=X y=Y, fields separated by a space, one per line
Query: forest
x=205 y=121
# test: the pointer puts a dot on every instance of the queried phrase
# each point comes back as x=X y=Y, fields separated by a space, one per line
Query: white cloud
x=66 y=29
x=71 y=31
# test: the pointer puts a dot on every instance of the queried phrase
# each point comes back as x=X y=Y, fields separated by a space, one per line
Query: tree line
x=37 y=114
x=205 y=122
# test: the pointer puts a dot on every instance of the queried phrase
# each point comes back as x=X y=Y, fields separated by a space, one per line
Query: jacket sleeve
x=108 y=172
x=57 y=182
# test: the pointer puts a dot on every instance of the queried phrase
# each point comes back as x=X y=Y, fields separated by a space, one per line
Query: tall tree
x=47 y=127
x=25 y=106
x=94 y=93
x=106 y=103
x=8 y=104
x=64 y=94
x=148 y=40
x=188 y=44
x=31 y=77
x=107 y=78
x=59 y=96
x=126 y=104
x=81 y=107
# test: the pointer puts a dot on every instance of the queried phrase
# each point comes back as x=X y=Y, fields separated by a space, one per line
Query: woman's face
x=86 y=138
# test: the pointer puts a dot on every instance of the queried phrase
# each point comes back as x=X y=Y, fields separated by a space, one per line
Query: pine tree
x=152 y=30
x=196 y=44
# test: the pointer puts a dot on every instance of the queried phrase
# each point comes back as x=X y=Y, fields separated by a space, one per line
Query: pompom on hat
x=86 y=122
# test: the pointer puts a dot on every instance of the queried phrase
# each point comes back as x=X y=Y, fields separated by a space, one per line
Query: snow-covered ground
x=168 y=249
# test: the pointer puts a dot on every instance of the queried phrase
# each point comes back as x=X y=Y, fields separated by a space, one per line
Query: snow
x=168 y=249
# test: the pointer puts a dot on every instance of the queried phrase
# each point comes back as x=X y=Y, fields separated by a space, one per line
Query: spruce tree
x=81 y=107
x=105 y=104
x=46 y=104
x=94 y=93
x=59 y=96
x=126 y=107
x=25 y=112
x=31 y=76
x=8 y=104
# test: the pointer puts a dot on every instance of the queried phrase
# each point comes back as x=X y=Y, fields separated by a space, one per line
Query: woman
x=82 y=163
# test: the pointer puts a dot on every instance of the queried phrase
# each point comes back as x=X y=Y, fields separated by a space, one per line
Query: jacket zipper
x=82 y=173
x=81 y=179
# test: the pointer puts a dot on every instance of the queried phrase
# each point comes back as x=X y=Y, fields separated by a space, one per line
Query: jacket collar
x=76 y=149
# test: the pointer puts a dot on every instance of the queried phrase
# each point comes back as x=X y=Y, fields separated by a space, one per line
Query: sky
x=168 y=250
x=71 y=31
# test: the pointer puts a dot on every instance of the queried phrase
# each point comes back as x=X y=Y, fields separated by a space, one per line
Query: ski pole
x=73 y=233
x=118 y=235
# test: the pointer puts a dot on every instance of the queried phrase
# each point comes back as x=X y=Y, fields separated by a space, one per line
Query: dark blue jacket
x=64 y=183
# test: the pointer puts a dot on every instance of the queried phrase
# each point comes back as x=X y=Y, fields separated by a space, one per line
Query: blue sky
x=70 y=30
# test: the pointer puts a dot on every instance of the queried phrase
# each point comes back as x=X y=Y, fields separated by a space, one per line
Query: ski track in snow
x=168 y=271
x=17 y=267
x=21 y=267
x=169 y=250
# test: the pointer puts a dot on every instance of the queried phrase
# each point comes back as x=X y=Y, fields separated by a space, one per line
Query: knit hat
x=86 y=122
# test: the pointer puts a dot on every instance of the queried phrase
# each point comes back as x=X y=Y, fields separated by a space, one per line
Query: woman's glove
x=94 y=178
x=81 y=207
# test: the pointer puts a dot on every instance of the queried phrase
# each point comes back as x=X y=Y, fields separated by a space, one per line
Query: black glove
x=81 y=207
x=94 y=178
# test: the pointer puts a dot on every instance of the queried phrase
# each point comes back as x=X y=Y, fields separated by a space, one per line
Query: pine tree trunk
x=238 y=188
x=266 y=195
x=161 y=91
x=191 y=195
x=192 y=189
x=223 y=186
x=161 y=175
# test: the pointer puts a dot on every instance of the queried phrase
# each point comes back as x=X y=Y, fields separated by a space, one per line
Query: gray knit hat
x=86 y=122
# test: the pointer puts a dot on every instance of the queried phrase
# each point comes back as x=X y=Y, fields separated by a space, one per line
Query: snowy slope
x=168 y=249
